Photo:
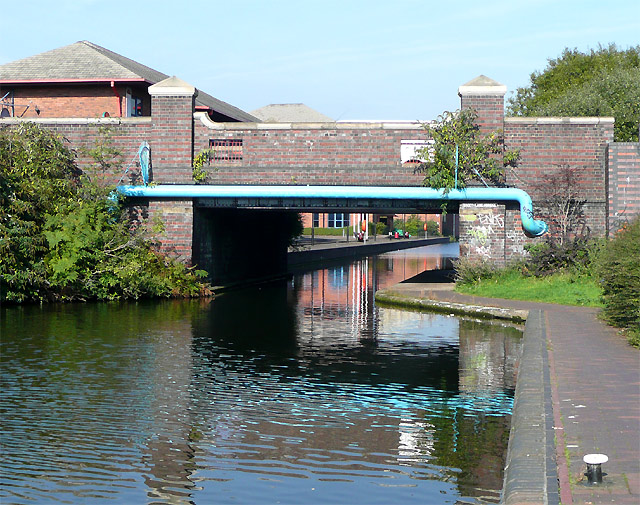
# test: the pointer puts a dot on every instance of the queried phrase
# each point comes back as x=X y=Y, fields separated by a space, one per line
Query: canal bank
x=577 y=393
x=321 y=250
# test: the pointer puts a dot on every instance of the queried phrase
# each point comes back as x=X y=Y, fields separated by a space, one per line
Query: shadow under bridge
x=242 y=232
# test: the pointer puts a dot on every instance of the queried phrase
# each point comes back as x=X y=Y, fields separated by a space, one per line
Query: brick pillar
x=482 y=227
x=172 y=108
x=486 y=97
x=623 y=184
x=482 y=232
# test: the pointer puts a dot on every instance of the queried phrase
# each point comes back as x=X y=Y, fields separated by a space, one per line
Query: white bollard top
x=595 y=459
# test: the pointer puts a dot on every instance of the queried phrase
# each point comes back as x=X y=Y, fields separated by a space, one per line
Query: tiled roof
x=290 y=113
x=85 y=61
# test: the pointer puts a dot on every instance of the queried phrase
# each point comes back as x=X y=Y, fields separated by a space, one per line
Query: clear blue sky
x=349 y=59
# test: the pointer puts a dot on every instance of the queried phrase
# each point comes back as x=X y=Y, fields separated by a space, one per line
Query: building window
x=226 y=149
x=315 y=220
x=134 y=104
x=337 y=220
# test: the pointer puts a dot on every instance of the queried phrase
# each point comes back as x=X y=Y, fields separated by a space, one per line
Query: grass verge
x=560 y=288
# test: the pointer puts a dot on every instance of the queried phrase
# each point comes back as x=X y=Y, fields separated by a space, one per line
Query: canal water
x=298 y=392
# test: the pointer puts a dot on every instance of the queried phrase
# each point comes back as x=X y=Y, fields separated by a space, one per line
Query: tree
x=480 y=157
x=562 y=203
x=63 y=238
x=37 y=177
x=619 y=273
x=602 y=82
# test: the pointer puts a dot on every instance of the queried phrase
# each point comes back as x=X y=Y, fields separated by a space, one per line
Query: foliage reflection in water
x=297 y=392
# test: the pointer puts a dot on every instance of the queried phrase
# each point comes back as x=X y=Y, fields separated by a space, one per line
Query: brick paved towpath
x=595 y=392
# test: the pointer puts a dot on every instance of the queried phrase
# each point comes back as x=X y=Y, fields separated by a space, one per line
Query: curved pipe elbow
x=532 y=227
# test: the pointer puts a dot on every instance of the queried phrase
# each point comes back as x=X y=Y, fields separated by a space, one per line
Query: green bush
x=37 y=177
x=470 y=271
x=377 y=228
x=380 y=228
x=332 y=232
x=619 y=273
x=552 y=256
x=92 y=254
x=633 y=337
x=292 y=221
x=62 y=238
x=413 y=225
x=433 y=228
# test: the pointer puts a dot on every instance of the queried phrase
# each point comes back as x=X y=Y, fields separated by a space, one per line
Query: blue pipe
x=531 y=226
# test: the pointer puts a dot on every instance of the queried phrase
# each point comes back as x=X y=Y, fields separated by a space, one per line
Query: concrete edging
x=391 y=298
x=530 y=474
x=297 y=258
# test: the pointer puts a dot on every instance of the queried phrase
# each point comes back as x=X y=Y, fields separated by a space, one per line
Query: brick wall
x=483 y=232
x=176 y=216
x=623 y=183
x=172 y=102
x=545 y=144
x=548 y=144
x=315 y=154
x=82 y=134
x=71 y=101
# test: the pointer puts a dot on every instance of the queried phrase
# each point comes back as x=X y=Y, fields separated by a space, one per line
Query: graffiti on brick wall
x=480 y=243
x=483 y=252
x=619 y=221
x=482 y=233
x=491 y=220
x=515 y=243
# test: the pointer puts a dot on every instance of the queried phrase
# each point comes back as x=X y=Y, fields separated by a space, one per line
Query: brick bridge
x=351 y=154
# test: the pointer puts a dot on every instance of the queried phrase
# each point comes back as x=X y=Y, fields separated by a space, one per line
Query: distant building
x=290 y=113
x=86 y=80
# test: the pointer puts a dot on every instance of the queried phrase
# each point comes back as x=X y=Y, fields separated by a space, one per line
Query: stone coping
x=560 y=120
x=396 y=298
x=204 y=118
x=530 y=474
x=78 y=120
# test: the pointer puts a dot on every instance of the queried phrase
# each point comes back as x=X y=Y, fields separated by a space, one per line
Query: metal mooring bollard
x=594 y=467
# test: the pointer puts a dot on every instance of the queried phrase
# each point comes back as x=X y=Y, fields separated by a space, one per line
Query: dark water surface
x=297 y=392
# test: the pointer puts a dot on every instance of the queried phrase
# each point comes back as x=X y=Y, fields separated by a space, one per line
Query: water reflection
x=296 y=392
x=348 y=289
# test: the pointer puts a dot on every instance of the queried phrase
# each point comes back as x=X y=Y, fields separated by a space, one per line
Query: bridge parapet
x=353 y=153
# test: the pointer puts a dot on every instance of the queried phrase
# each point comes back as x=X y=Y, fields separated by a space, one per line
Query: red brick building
x=86 y=80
